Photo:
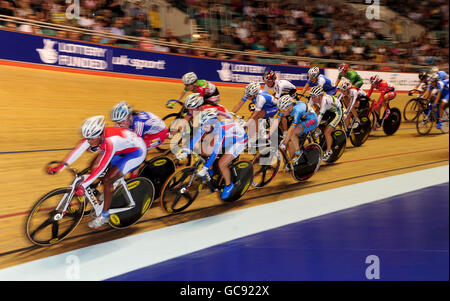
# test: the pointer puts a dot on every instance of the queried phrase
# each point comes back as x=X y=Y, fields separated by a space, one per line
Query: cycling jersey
x=264 y=101
x=353 y=95
x=282 y=87
x=117 y=142
x=206 y=89
x=329 y=103
x=227 y=134
x=440 y=87
x=443 y=76
x=150 y=127
x=325 y=83
x=303 y=117
x=353 y=77
x=385 y=88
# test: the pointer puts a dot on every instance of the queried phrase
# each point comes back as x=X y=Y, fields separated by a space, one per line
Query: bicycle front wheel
x=411 y=110
x=180 y=190
x=424 y=122
x=47 y=226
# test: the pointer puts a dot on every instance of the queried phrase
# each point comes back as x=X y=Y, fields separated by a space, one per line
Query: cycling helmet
x=193 y=101
x=189 y=78
x=208 y=117
x=269 y=75
x=343 y=68
x=434 y=77
x=316 y=91
x=344 y=84
x=285 y=102
x=120 y=112
x=375 y=79
x=423 y=75
x=434 y=70
x=313 y=72
x=252 y=89
x=93 y=127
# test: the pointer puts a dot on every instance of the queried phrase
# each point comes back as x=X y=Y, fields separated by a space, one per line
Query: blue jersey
x=226 y=134
x=326 y=84
x=443 y=76
x=146 y=123
x=302 y=117
x=262 y=100
x=442 y=87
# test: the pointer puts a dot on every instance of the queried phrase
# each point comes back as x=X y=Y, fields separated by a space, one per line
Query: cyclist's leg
x=329 y=129
x=387 y=98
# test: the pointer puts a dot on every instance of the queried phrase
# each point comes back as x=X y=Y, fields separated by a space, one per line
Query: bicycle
x=175 y=122
x=184 y=186
x=301 y=170
x=56 y=215
x=411 y=109
x=359 y=134
x=391 y=124
x=339 y=138
x=428 y=117
x=157 y=170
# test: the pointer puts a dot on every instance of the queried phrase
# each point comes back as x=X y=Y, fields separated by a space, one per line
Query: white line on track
x=113 y=258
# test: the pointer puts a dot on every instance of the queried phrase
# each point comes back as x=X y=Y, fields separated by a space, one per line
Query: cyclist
x=304 y=120
x=345 y=71
x=206 y=89
x=145 y=124
x=228 y=138
x=315 y=78
x=121 y=150
x=196 y=103
x=443 y=76
x=350 y=97
x=440 y=91
x=264 y=103
x=280 y=86
x=422 y=85
x=387 y=94
x=326 y=103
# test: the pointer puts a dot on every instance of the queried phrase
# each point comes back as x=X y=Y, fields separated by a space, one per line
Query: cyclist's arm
x=81 y=147
x=352 y=103
x=338 y=79
x=219 y=138
x=305 y=88
x=370 y=91
x=108 y=154
x=437 y=98
x=239 y=105
x=275 y=124
x=182 y=95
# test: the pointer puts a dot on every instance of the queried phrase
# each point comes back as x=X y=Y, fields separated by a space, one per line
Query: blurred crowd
x=324 y=29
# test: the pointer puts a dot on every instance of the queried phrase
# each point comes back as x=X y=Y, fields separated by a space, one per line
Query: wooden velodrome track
x=41 y=112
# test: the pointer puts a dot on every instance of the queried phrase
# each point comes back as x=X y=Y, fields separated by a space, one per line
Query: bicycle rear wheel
x=392 y=123
x=309 y=163
x=444 y=119
x=142 y=191
x=177 y=194
x=45 y=226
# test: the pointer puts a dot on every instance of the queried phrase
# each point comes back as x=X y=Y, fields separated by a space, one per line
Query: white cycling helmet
x=193 y=101
x=208 y=117
x=120 y=112
x=316 y=91
x=93 y=127
x=252 y=89
x=344 y=84
x=313 y=72
x=189 y=78
x=434 y=69
x=285 y=102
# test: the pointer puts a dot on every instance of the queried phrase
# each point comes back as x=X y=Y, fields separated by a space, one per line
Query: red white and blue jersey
x=117 y=141
x=226 y=133
x=146 y=123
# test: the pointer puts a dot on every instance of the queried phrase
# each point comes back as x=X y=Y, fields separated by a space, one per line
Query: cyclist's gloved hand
x=282 y=146
x=202 y=171
x=181 y=154
x=410 y=93
x=79 y=190
x=170 y=103
x=53 y=170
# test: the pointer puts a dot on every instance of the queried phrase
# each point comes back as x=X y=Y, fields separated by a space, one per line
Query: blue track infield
x=409 y=233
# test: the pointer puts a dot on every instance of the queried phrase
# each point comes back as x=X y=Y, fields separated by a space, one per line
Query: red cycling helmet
x=269 y=75
x=343 y=68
